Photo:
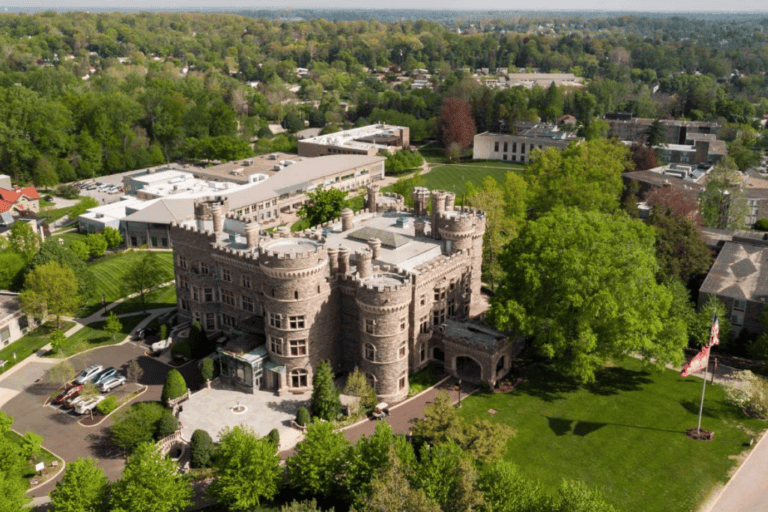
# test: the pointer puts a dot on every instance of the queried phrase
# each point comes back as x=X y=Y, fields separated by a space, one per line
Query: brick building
x=366 y=291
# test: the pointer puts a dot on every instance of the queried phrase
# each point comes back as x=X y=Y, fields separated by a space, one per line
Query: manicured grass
x=92 y=335
x=623 y=435
x=29 y=344
x=109 y=272
x=51 y=215
x=71 y=237
x=164 y=297
x=28 y=469
x=425 y=378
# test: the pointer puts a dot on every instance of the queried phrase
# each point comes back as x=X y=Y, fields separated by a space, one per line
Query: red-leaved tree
x=680 y=202
x=455 y=126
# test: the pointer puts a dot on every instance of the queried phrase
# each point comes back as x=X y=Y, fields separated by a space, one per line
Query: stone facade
x=366 y=292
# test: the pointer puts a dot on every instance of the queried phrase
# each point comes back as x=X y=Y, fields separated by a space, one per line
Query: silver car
x=104 y=375
x=112 y=382
x=88 y=374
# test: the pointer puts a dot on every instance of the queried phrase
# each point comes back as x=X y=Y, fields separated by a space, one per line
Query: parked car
x=102 y=376
x=88 y=374
x=112 y=382
x=72 y=401
x=65 y=394
x=87 y=405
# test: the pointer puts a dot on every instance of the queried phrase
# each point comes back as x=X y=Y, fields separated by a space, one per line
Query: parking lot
x=103 y=197
x=61 y=430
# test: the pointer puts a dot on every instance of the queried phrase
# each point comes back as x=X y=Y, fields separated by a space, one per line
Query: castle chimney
x=450 y=200
x=346 y=219
x=283 y=231
x=217 y=211
x=344 y=260
x=333 y=259
x=373 y=198
x=375 y=245
x=438 y=208
x=420 y=226
x=364 y=262
x=252 y=234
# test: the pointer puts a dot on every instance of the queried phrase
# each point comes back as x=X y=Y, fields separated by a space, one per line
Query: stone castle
x=367 y=291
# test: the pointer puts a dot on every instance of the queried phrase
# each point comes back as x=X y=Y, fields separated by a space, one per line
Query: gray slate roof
x=740 y=272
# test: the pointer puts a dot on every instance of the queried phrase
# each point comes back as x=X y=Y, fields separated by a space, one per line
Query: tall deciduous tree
x=582 y=285
x=392 y=492
x=150 y=482
x=113 y=237
x=680 y=249
x=586 y=175
x=455 y=124
x=50 y=289
x=248 y=469
x=326 y=403
x=23 y=239
x=112 y=325
x=323 y=205
x=52 y=251
x=144 y=275
x=505 y=490
x=316 y=469
x=723 y=203
x=82 y=489
x=448 y=477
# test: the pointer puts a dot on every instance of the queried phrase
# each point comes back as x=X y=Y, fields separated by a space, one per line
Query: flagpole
x=703 y=389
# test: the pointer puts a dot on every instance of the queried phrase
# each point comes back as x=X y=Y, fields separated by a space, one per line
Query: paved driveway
x=63 y=435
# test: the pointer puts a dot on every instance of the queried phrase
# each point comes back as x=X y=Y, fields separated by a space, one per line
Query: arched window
x=371 y=380
x=299 y=378
x=370 y=352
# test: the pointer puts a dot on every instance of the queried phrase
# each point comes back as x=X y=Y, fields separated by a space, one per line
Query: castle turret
x=438 y=207
x=217 y=212
x=333 y=259
x=458 y=230
x=450 y=200
x=296 y=308
x=347 y=217
x=420 y=197
x=383 y=301
x=363 y=260
x=420 y=226
x=374 y=244
x=373 y=197
x=252 y=234
x=344 y=260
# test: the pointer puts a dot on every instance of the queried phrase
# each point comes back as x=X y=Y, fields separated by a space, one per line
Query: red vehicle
x=67 y=393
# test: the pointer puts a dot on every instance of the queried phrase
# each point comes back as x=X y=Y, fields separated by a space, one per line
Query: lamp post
x=459 y=393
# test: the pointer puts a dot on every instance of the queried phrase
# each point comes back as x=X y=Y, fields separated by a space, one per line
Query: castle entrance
x=468 y=368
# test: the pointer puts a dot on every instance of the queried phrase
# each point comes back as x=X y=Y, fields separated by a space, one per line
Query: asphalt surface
x=747 y=491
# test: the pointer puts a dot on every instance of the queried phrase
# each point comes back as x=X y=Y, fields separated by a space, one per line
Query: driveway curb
x=143 y=390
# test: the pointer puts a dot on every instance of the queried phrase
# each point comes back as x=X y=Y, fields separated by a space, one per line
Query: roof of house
x=740 y=272
x=165 y=211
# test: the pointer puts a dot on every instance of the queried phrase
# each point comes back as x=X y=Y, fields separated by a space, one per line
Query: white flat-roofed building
x=13 y=323
x=517 y=148
x=366 y=140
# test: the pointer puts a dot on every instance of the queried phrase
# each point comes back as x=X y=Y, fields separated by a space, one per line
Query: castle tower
x=344 y=260
x=438 y=207
x=383 y=301
x=364 y=258
x=296 y=309
x=420 y=197
x=374 y=244
x=458 y=229
x=477 y=255
x=209 y=213
x=373 y=197
x=347 y=219
x=252 y=234
x=450 y=200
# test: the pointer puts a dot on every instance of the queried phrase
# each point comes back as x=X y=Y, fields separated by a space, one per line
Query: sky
x=565 y=5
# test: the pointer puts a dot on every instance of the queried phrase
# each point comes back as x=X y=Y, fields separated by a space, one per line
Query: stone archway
x=438 y=354
x=468 y=368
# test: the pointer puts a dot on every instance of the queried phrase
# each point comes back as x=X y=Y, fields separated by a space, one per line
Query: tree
x=390 y=490
x=643 y=157
x=323 y=205
x=174 y=387
x=206 y=369
x=23 y=239
x=144 y=275
x=113 y=237
x=357 y=385
x=83 y=488
x=57 y=340
x=505 y=490
x=447 y=476
x=112 y=325
x=582 y=285
x=701 y=326
x=325 y=395
x=680 y=249
x=750 y=394
x=723 y=203
x=134 y=371
x=31 y=445
x=248 y=469
x=441 y=422
x=62 y=372
x=136 y=425
x=199 y=343
x=44 y=174
x=14 y=492
x=201 y=449
x=83 y=206
x=97 y=245
x=52 y=251
x=455 y=124
x=574 y=496
x=12 y=266
x=404 y=186
x=316 y=468
x=150 y=482
x=80 y=249
x=50 y=289
x=586 y=176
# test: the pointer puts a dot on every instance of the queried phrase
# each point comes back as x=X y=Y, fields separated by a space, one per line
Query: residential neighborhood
x=383 y=260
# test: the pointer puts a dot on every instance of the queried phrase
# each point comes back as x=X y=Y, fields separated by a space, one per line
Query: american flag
x=714 y=336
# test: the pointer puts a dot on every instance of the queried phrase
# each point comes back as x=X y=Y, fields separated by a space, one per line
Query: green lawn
x=29 y=344
x=164 y=297
x=623 y=435
x=92 y=335
x=425 y=378
x=51 y=215
x=28 y=470
x=109 y=272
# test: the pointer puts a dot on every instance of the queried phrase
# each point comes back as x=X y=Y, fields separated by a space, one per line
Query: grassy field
x=109 y=272
x=28 y=469
x=164 y=297
x=92 y=335
x=29 y=344
x=623 y=435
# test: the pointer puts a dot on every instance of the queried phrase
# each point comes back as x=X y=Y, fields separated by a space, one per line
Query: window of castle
x=276 y=320
x=226 y=275
x=228 y=297
x=453 y=285
x=424 y=328
x=401 y=352
x=437 y=293
x=182 y=262
x=296 y=294
x=296 y=322
x=184 y=305
x=422 y=352
x=247 y=303
x=183 y=283
x=204 y=267
x=228 y=320
x=246 y=280
x=371 y=380
x=401 y=383
x=298 y=347
x=496 y=146
x=195 y=294
x=210 y=321
x=438 y=317
x=208 y=294
x=423 y=300
x=452 y=307
x=402 y=324
x=299 y=378
x=369 y=325
x=276 y=345
x=370 y=352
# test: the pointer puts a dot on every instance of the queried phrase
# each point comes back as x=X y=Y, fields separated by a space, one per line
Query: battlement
x=211 y=237
x=391 y=272
x=439 y=264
